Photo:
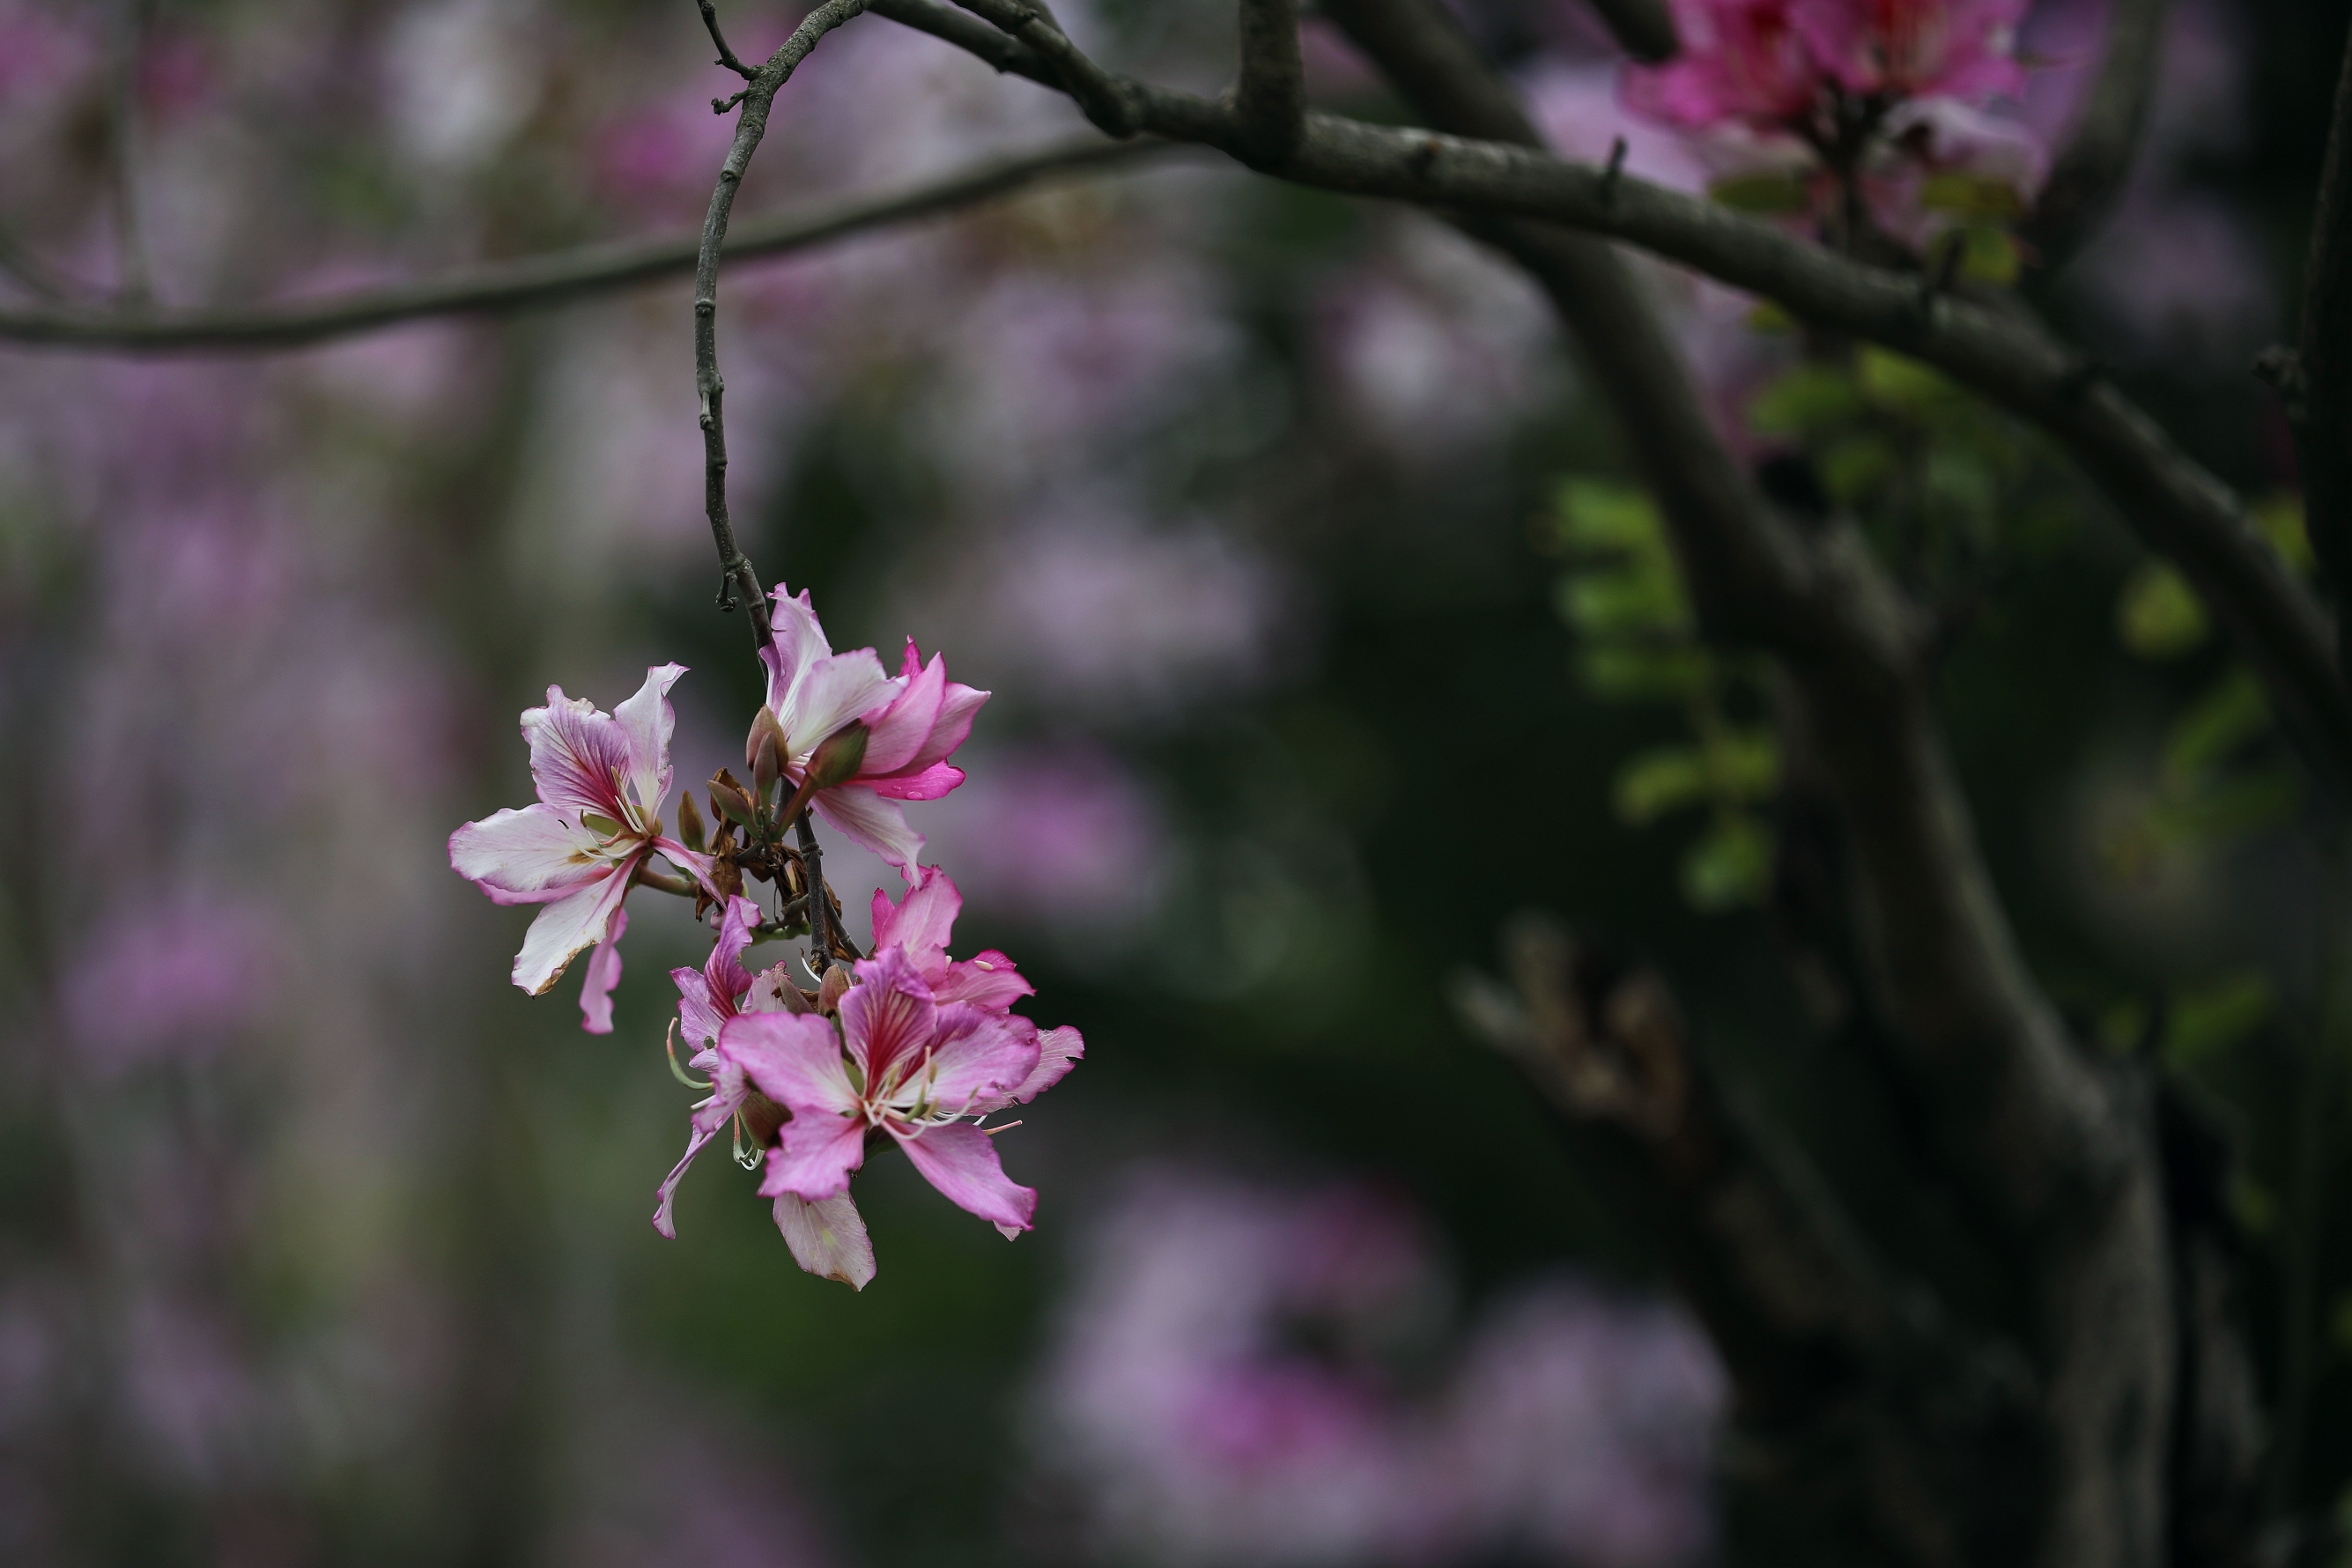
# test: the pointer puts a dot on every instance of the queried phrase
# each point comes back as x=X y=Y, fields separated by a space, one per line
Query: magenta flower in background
x=171 y=979
x=1915 y=48
x=1744 y=61
x=913 y=723
x=1067 y=837
x=602 y=781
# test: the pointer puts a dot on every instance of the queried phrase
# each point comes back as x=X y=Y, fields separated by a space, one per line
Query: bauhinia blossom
x=909 y=726
x=827 y=1238
x=1885 y=93
x=923 y=1049
x=602 y=778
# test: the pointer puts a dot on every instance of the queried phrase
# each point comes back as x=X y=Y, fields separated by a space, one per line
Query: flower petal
x=933 y=782
x=603 y=973
x=1058 y=1050
x=866 y=818
x=832 y=691
x=922 y=922
x=665 y=1196
x=815 y=1154
x=724 y=968
x=647 y=723
x=960 y=1161
x=579 y=755
x=567 y=927
x=977 y=1057
x=799 y=642
x=901 y=727
x=533 y=855
x=888 y=1017
x=959 y=704
x=988 y=981
x=828 y=1238
x=794 y=1058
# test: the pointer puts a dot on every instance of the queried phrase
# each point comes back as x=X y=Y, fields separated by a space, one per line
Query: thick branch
x=2181 y=510
x=2323 y=410
x=1271 y=98
x=2090 y=173
x=547 y=279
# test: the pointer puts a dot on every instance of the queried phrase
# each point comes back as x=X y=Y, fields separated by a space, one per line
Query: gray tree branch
x=758 y=99
x=2090 y=175
x=549 y=279
x=1270 y=98
x=2178 y=509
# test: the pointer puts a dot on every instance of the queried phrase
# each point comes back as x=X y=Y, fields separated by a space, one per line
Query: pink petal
x=899 y=729
x=578 y=756
x=933 y=782
x=603 y=973
x=700 y=1013
x=888 y=1017
x=923 y=921
x=793 y=1058
x=533 y=855
x=1058 y=1050
x=647 y=722
x=960 y=1161
x=698 y=867
x=568 y=928
x=666 y=1197
x=976 y=1060
x=989 y=981
x=724 y=969
x=959 y=705
x=863 y=817
x=799 y=643
x=818 y=1151
x=830 y=693
x=827 y=1239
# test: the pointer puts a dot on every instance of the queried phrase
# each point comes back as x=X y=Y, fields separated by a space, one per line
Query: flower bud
x=836 y=760
x=837 y=983
x=727 y=798
x=764 y=752
x=689 y=822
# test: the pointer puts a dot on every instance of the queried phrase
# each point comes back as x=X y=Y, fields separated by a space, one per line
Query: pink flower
x=926 y=1047
x=1741 y=60
x=1915 y=48
x=602 y=781
x=913 y=722
x=826 y=1238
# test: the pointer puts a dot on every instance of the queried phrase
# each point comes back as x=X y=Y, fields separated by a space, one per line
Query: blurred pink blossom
x=1066 y=836
x=1244 y=1374
x=172 y=978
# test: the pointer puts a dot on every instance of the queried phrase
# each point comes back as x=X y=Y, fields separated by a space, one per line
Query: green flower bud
x=836 y=760
x=689 y=822
x=764 y=751
x=727 y=799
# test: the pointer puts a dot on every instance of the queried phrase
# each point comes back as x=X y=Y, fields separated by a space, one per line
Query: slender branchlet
x=1270 y=98
x=1107 y=101
x=719 y=40
x=758 y=99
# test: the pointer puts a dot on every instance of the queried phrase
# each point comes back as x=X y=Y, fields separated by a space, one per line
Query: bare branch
x=1271 y=98
x=1642 y=27
x=1103 y=97
x=719 y=40
x=970 y=34
x=2090 y=173
x=549 y=279
x=2323 y=412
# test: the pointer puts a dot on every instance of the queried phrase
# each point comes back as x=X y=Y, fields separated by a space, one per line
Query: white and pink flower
x=603 y=778
x=913 y=722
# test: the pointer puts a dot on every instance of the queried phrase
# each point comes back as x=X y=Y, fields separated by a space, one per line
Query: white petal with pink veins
x=532 y=856
x=879 y=824
x=827 y=1238
x=568 y=928
x=647 y=722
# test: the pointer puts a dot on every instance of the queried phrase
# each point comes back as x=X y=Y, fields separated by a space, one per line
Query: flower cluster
x=1871 y=108
x=901 y=1046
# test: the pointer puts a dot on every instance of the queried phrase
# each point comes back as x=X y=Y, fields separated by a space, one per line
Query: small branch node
x=1612 y=171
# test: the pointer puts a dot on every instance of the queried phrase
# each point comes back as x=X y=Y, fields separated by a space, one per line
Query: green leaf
x=1730 y=866
x=1617 y=604
x=1762 y=193
x=2158 y=616
x=1855 y=467
x=1653 y=782
x=1807 y=400
x=1771 y=318
x=2280 y=521
x=1594 y=516
x=1744 y=764
x=1991 y=256
x=1894 y=382
x=1968 y=195
x=2231 y=713
x=2204 y=1023
x=2224 y=810
x=1623 y=672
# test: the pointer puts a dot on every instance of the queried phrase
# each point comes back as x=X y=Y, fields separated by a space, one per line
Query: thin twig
x=135 y=284
x=549 y=279
x=709 y=389
x=726 y=56
x=1105 y=98
x=1270 y=97
x=820 y=912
